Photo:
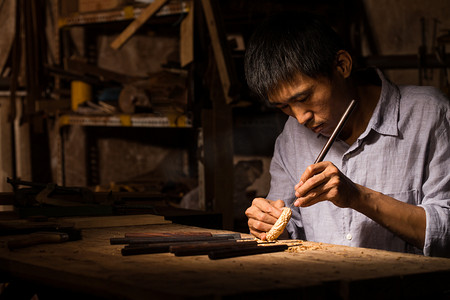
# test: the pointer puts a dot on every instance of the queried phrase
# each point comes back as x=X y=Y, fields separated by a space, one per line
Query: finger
x=259 y=235
x=312 y=170
x=310 y=200
x=258 y=226
x=298 y=185
x=263 y=236
x=256 y=234
x=255 y=213
x=267 y=206
x=312 y=183
x=322 y=172
x=320 y=193
x=279 y=204
x=259 y=220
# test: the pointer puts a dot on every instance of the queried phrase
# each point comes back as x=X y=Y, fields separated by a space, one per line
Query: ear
x=344 y=63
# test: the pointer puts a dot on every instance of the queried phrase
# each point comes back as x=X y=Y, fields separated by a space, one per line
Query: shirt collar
x=384 y=119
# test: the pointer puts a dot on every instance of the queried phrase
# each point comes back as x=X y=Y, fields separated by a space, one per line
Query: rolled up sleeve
x=436 y=198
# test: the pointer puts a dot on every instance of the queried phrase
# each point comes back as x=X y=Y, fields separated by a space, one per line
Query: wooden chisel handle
x=38 y=238
x=152 y=248
x=205 y=248
x=166 y=234
x=170 y=239
x=228 y=253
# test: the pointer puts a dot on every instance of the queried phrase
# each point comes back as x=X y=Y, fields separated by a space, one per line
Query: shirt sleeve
x=436 y=192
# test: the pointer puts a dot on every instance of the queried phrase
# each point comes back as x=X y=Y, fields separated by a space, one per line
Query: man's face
x=316 y=103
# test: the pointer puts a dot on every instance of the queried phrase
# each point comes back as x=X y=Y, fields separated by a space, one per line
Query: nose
x=303 y=116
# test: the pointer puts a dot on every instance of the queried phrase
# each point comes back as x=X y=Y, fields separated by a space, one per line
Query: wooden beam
x=187 y=38
x=219 y=54
x=146 y=14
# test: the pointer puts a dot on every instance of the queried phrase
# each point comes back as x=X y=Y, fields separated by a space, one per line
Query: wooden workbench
x=93 y=267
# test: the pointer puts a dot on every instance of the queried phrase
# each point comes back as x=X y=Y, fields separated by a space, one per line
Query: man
x=385 y=183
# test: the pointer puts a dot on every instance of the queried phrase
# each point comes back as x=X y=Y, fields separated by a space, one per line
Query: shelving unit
x=208 y=126
x=119 y=120
x=121 y=14
x=126 y=120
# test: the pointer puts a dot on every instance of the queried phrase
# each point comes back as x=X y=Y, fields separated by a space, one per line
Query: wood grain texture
x=116 y=221
x=187 y=38
x=313 y=269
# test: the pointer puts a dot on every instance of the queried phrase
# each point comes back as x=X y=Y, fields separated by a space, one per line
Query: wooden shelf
x=126 y=120
x=122 y=14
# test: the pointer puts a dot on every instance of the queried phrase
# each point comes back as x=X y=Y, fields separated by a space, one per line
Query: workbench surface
x=316 y=271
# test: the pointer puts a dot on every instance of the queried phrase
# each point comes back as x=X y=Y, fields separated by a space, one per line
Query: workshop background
x=115 y=96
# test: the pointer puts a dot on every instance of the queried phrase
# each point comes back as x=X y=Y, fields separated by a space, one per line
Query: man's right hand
x=262 y=215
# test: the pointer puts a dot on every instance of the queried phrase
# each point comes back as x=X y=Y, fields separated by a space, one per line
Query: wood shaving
x=301 y=246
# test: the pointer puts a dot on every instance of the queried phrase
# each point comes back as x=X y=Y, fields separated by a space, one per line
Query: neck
x=367 y=97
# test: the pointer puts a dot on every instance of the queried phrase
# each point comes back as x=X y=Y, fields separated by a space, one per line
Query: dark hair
x=288 y=44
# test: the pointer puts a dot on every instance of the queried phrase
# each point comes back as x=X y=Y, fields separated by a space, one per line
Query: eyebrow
x=292 y=98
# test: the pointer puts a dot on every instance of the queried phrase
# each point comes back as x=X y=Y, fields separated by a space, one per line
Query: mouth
x=318 y=128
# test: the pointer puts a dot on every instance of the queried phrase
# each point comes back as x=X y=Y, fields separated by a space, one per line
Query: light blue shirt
x=404 y=153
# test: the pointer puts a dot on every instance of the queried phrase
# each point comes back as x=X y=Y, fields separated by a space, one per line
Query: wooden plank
x=115 y=221
x=311 y=271
x=6 y=149
x=126 y=13
x=7 y=23
x=218 y=127
x=187 y=38
x=219 y=55
x=146 y=14
x=218 y=181
x=223 y=161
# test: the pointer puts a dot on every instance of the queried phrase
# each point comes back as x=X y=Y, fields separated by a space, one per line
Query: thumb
x=263 y=236
x=279 y=204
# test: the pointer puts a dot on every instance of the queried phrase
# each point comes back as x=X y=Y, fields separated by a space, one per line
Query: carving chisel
x=38 y=238
x=171 y=239
x=334 y=135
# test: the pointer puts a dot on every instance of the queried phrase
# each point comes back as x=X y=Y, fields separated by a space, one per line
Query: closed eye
x=297 y=98
x=277 y=105
x=293 y=100
x=286 y=105
x=301 y=100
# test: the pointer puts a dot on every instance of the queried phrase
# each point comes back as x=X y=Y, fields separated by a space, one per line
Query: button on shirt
x=403 y=153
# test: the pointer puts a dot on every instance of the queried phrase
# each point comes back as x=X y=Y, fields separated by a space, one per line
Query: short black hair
x=287 y=44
